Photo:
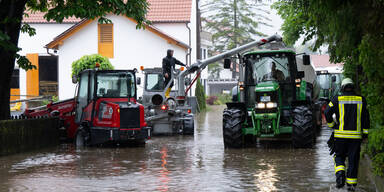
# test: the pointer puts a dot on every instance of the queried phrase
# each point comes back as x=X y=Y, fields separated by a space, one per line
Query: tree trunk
x=13 y=10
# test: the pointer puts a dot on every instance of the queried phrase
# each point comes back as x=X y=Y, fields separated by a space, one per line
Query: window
x=115 y=85
x=105 y=40
x=155 y=82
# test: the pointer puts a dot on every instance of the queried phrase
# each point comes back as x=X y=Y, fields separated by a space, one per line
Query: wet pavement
x=175 y=163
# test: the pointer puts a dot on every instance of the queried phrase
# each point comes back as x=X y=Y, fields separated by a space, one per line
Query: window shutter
x=105 y=40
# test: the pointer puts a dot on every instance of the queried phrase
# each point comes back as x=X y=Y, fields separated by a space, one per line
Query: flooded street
x=175 y=163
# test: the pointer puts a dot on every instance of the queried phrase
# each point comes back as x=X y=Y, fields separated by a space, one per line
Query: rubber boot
x=340 y=179
x=167 y=92
x=351 y=187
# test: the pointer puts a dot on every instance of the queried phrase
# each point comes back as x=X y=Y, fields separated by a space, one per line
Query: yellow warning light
x=181 y=68
x=141 y=67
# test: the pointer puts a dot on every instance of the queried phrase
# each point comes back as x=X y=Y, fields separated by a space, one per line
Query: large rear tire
x=303 y=130
x=232 y=133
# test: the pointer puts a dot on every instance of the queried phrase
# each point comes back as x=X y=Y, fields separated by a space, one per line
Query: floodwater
x=175 y=163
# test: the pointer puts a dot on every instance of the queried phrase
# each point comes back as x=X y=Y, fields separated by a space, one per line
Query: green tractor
x=330 y=85
x=275 y=98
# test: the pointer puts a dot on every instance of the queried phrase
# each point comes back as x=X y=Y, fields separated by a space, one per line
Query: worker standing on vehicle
x=168 y=66
x=351 y=126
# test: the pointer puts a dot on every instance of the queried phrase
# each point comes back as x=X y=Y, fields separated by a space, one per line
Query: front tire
x=303 y=130
x=81 y=138
x=232 y=131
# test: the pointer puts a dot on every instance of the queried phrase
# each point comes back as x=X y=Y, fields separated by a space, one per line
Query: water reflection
x=265 y=180
x=176 y=163
x=164 y=179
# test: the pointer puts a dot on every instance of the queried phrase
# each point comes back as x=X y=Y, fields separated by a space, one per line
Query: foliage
x=233 y=22
x=53 y=99
x=199 y=92
x=89 y=62
x=219 y=99
x=353 y=32
x=211 y=99
x=214 y=70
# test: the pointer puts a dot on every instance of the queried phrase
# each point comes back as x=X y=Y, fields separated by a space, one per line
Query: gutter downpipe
x=188 y=56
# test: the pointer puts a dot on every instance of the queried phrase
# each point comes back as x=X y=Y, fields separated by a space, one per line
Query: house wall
x=132 y=48
x=35 y=45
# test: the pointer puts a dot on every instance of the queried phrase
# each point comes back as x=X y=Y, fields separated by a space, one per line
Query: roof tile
x=160 y=11
x=323 y=61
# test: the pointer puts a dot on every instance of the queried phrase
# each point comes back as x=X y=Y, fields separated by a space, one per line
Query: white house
x=173 y=27
x=126 y=47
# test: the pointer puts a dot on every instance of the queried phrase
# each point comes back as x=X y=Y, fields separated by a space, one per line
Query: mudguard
x=237 y=105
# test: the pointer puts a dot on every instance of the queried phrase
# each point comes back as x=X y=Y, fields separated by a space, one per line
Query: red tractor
x=104 y=110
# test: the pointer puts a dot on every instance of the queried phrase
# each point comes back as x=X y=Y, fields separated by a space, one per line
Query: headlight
x=271 y=105
x=171 y=104
x=260 y=105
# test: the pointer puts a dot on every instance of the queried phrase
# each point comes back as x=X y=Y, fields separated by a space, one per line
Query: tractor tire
x=303 y=130
x=232 y=133
x=81 y=138
x=188 y=125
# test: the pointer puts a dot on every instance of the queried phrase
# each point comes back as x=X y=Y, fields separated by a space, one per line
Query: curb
x=377 y=181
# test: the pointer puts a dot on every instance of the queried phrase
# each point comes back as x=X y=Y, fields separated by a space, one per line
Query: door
x=82 y=97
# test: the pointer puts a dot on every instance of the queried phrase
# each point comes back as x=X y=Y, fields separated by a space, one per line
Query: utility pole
x=234 y=64
x=198 y=30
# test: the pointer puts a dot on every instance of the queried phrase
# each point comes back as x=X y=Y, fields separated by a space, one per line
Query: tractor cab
x=106 y=108
x=268 y=78
x=330 y=84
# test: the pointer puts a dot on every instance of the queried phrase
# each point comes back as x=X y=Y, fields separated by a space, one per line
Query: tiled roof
x=38 y=17
x=321 y=61
x=169 y=10
x=160 y=11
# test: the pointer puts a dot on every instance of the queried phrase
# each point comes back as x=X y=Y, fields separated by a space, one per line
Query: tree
x=214 y=70
x=353 y=32
x=11 y=15
x=233 y=22
x=200 y=95
x=89 y=62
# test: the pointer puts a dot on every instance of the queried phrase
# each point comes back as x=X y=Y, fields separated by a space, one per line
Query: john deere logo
x=265 y=94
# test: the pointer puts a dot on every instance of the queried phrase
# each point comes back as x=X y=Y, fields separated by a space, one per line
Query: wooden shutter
x=105 y=40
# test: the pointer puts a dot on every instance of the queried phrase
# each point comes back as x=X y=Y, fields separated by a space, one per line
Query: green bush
x=366 y=66
x=200 y=95
x=88 y=62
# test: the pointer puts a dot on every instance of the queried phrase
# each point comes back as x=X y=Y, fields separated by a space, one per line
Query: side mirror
x=300 y=74
x=138 y=80
x=333 y=78
x=227 y=63
x=306 y=60
x=74 y=79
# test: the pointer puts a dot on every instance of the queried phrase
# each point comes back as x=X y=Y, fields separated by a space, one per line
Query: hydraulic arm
x=200 y=65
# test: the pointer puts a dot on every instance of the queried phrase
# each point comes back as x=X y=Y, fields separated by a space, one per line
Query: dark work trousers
x=167 y=81
x=348 y=148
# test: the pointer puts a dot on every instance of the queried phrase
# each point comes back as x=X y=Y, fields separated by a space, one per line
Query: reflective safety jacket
x=352 y=117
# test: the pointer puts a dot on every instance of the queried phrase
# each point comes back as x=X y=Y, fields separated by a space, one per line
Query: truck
x=166 y=116
x=263 y=106
x=105 y=109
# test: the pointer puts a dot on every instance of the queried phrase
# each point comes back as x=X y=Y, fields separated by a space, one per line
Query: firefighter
x=350 y=126
x=168 y=66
